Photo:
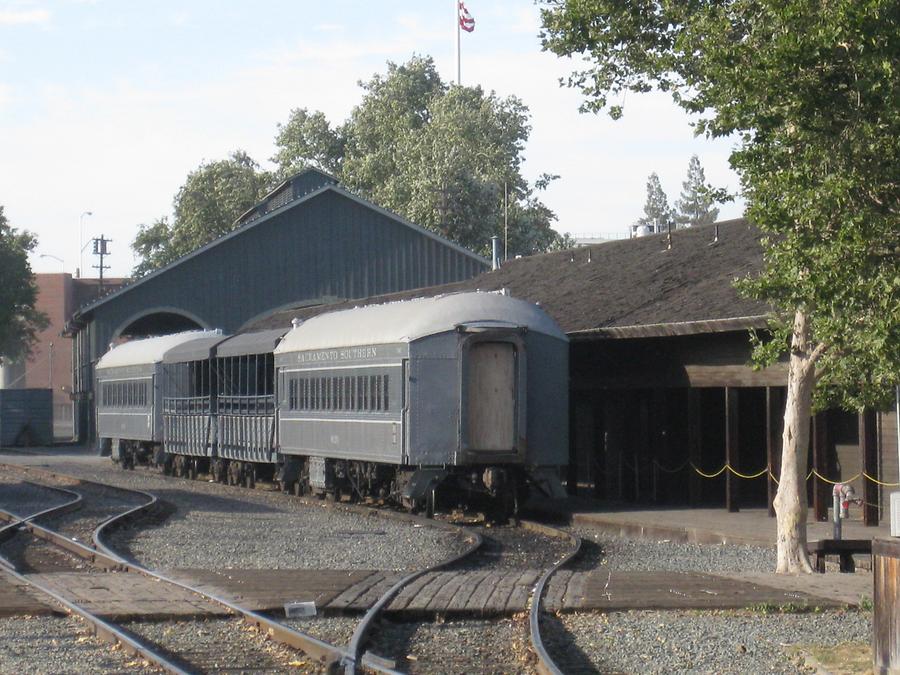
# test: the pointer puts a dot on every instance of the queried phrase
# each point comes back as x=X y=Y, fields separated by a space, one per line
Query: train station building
x=666 y=407
x=309 y=242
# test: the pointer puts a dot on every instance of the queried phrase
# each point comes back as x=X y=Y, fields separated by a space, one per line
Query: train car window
x=384 y=389
x=375 y=384
x=338 y=401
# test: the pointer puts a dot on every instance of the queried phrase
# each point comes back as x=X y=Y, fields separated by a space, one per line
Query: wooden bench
x=845 y=548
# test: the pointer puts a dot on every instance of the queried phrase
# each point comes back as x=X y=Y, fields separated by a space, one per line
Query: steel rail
x=101 y=627
x=545 y=664
x=327 y=654
x=14 y=520
x=356 y=656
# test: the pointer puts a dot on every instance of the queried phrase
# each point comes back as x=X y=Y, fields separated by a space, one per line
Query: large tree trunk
x=790 y=500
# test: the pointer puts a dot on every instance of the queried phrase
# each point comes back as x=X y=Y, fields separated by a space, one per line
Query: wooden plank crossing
x=122 y=595
x=15 y=600
x=267 y=589
x=479 y=593
x=613 y=590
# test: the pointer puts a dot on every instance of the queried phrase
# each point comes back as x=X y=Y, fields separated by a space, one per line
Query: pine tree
x=696 y=204
x=657 y=212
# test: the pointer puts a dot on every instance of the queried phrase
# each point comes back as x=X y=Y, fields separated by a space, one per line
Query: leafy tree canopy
x=810 y=91
x=19 y=320
x=439 y=155
x=695 y=207
x=206 y=207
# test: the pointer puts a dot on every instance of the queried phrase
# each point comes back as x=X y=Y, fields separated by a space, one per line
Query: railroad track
x=493 y=554
x=499 y=552
x=150 y=640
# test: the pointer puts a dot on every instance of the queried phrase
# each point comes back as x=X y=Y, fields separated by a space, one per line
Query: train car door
x=491 y=394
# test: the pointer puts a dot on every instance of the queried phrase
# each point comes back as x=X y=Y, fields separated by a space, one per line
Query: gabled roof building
x=310 y=241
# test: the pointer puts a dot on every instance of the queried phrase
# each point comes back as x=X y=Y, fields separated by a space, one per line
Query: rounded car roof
x=410 y=320
x=148 y=350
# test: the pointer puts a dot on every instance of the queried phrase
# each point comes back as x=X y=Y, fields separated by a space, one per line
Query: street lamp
x=81 y=240
x=55 y=257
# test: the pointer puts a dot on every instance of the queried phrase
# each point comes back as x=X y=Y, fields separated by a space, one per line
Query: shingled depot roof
x=625 y=288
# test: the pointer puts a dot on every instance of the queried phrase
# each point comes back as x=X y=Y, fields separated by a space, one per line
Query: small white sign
x=294 y=610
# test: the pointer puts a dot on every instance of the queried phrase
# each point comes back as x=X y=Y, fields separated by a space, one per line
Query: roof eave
x=672 y=329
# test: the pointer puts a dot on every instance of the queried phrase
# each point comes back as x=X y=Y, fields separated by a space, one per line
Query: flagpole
x=456 y=21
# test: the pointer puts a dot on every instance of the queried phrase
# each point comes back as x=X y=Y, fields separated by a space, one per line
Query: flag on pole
x=466 y=20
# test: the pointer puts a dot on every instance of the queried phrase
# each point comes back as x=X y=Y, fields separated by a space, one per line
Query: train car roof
x=149 y=350
x=259 y=342
x=411 y=320
x=194 y=350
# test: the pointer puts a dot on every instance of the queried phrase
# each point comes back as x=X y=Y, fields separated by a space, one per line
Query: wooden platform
x=123 y=596
x=16 y=601
x=605 y=590
x=508 y=591
x=120 y=595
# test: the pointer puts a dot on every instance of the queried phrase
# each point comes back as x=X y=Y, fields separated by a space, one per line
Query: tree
x=308 y=140
x=697 y=198
x=809 y=91
x=657 y=212
x=439 y=155
x=206 y=207
x=19 y=320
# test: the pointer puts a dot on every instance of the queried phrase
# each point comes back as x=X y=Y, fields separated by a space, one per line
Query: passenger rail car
x=456 y=398
x=130 y=395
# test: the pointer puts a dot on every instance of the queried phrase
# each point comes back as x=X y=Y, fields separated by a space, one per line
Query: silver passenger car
x=465 y=391
x=130 y=395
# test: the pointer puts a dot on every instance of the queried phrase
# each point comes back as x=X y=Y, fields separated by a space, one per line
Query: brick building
x=50 y=365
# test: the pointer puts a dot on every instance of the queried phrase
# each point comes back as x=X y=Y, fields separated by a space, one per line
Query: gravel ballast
x=638 y=555
x=212 y=526
x=24 y=499
x=60 y=645
x=497 y=646
x=693 y=641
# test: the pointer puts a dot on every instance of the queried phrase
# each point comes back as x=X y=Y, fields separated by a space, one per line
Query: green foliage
x=19 y=320
x=212 y=198
x=695 y=207
x=657 y=212
x=810 y=92
x=308 y=140
x=439 y=155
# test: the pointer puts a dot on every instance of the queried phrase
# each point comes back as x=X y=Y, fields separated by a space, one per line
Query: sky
x=106 y=105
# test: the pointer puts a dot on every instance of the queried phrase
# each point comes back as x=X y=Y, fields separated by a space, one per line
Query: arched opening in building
x=158 y=322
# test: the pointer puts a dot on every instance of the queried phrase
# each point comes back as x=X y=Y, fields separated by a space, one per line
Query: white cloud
x=13 y=17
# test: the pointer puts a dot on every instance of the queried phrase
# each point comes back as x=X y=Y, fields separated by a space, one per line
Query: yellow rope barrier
x=833 y=482
x=878 y=482
x=767 y=470
x=710 y=475
x=749 y=477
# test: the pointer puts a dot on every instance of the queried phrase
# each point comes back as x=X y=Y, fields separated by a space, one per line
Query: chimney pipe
x=495 y=248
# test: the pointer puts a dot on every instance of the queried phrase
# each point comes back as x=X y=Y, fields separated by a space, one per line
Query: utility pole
x=101 y=250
